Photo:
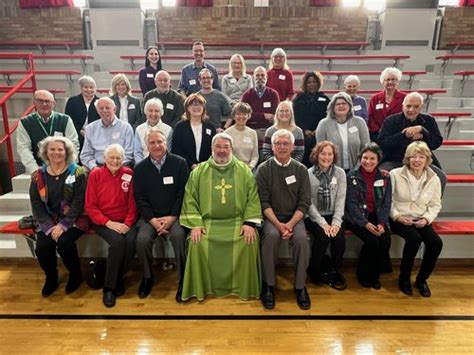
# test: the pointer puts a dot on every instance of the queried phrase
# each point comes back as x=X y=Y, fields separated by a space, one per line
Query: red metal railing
x=19 y=87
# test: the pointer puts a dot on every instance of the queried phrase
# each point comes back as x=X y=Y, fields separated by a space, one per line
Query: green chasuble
x=220 y=199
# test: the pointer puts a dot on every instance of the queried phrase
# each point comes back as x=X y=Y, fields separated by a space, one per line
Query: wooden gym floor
x=355 y=321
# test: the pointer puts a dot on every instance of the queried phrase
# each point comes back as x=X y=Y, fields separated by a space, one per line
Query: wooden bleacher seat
x=359 y=45
x=447 y=58
x=41 y=45
x=465 y=74
x=452 y=117
x=458 y=45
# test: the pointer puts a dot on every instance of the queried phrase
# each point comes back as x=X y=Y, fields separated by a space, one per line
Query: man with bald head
x=39 y=125
x=263 y=100
x=104 y=132
x=399 y=130
x=173 y=102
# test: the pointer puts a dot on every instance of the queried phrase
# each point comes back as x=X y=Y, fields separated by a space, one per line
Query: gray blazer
x=135 y=114
x=358 y=137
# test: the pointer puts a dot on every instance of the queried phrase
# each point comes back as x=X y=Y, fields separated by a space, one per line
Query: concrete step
x=15 y=201
x=456 y=160
x=21 y=183
x=458 y=199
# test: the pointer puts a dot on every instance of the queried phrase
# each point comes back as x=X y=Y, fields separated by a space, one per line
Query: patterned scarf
x=324 y=191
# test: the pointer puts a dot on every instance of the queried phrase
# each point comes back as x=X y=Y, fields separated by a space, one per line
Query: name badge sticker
x=378 y=183
x=247 y=140
x=353 y=129
x=58 y=134
x=267 y=104
x=282 y=77
x=150 y=75
x=168 y=180
x=192 y=82
x=333 y=181
x=71 y=179
x=357 y=107
x=379 y=106
x=170 y=106
x=233 y=80
x=321 y=99
x=127 y=177
x=208 y=131
x=116 y=135
x=290 y=180
x=131 y=106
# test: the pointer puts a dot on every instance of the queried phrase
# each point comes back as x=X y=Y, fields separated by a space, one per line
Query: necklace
x=56 y=174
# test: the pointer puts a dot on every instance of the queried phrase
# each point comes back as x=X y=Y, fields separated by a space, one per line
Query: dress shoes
x=50 y=285
x=422 y=286
x=376 y=285
x=302 y=298
x=337 y=280
x=179 y=293
x=145 y=287
x=364 y=283
x=268 y=296
x=405 y=287
x=73 y=283
x=109 y=298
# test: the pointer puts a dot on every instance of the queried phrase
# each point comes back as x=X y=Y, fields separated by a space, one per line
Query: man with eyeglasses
x=173 y=103
x=189 y=81
x=285 y=195
x=221 y=209
x=41 y=124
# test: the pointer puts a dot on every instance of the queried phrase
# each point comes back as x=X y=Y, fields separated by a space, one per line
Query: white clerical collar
x=280 y=164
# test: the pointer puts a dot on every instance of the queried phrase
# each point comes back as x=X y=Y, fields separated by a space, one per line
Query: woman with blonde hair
x=128 y=107
x=284 y=119
x=237 y=81
x=416 y=203
x=280 y=78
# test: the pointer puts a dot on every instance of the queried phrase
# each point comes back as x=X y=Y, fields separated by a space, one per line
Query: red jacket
x=109 y=197
x=378 y=110
x=281 y=80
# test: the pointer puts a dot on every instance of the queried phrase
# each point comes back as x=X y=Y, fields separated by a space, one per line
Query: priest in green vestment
x=221 y=208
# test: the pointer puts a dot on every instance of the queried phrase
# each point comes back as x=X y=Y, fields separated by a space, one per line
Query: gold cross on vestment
x=223 y=186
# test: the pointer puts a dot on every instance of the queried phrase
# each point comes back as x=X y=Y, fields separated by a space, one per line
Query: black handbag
x=27 y=222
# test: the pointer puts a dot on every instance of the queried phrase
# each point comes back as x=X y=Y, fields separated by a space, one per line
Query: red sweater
x=266 y=104
x=109 y=197
x=378 y=110
x=281 y=80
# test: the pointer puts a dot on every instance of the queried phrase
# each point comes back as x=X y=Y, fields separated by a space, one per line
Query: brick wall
x=52 y=24
x=291 y=21
x=458 y=25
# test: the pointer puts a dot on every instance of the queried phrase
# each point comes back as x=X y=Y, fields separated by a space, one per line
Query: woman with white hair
x=153 y=111
x=351 y=86
x=284 y=119
x=348 y=132
x=57 y=199
x=81 y=108
x=236 y=82
x=128 y=107
x=111 y=207
x=280 y=78
x=385 y=103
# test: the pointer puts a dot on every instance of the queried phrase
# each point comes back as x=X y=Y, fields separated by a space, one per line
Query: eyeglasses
x=341 y=104
x=390 y=79
x=282 y=144
x=196 y=103
x=43 y=102
x=206 y=78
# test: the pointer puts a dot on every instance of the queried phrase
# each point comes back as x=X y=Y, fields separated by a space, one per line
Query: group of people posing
x=228 y=176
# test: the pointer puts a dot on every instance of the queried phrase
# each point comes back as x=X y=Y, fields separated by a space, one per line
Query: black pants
x=320 y=244
x=121 y=252
x=373 y=253
x=66 y=246
x=413 y=237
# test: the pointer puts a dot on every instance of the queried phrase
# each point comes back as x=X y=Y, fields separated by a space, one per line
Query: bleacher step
x=15 y=201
